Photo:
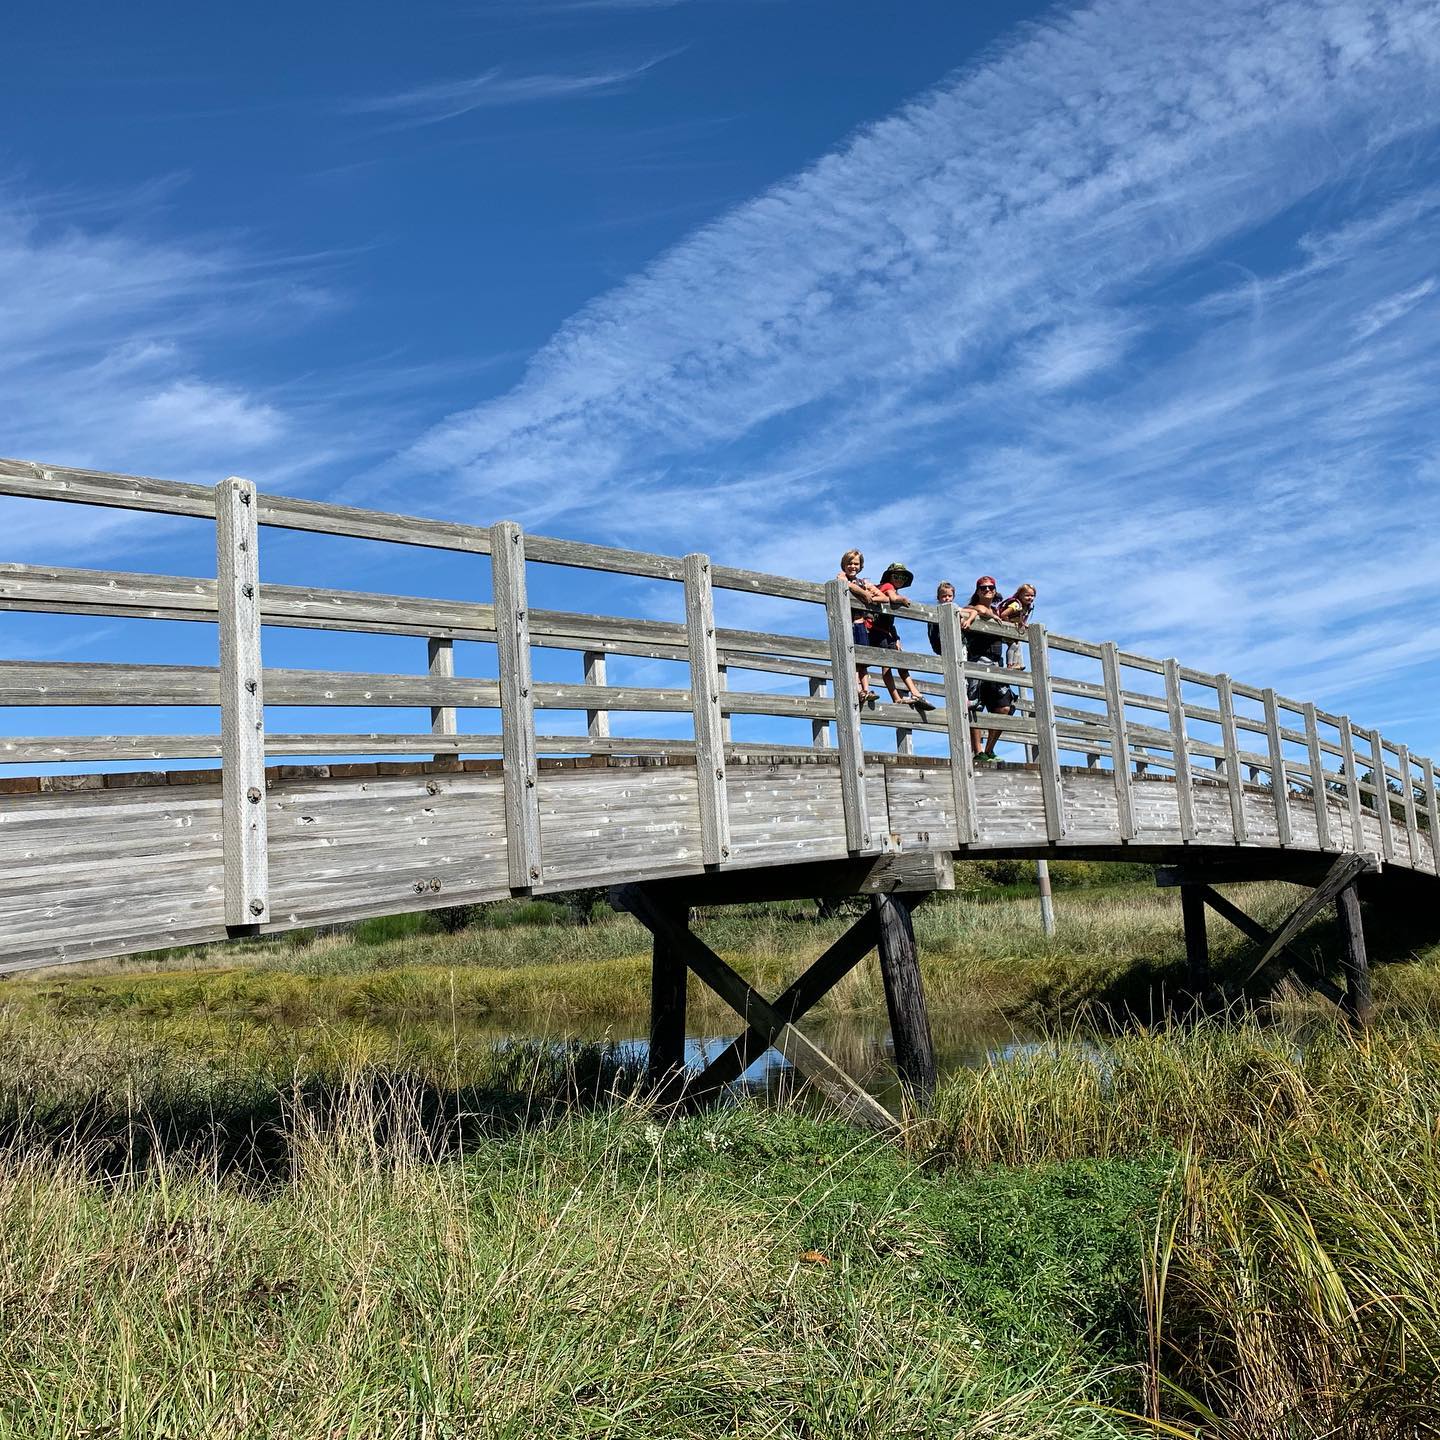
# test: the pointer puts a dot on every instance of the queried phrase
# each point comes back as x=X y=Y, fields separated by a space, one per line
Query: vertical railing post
x=705 y=706
x=517 y=706
x=1279 y=781
x=1352 y=786
x=819 y=729
x=1119 y=739
x=1179 y=751
x=244 y=824
x=1407 y=804
x=722 y=683
x=1317 y=777
x=957 y=717
x=1047 y=744
x=846 y=687
x=1382 y=796
x=441 y=656
x=1235 y=782
x=1432 y=811
x=597 y=722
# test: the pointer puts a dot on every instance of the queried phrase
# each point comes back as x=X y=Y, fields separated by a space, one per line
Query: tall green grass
x=528 y=967
x=375 y=1263
x=1291 y=1281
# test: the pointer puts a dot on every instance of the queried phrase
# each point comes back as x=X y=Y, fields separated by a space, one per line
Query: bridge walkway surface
x=1122 y=756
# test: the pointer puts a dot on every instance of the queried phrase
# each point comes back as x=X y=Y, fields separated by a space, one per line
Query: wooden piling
x=905 y=997
x=665 y=1063
x=1197 y=943
x=1353 y=959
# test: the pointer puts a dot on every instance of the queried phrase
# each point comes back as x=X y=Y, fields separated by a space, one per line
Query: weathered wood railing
x=1332 y=786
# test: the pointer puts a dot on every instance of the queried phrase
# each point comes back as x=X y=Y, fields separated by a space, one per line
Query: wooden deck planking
x=92 y=864
x=94 y=872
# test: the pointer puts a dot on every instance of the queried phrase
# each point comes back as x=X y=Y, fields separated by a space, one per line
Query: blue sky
x=1136 y=300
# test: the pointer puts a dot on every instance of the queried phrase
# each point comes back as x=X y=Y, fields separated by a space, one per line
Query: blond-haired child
x=852 y=562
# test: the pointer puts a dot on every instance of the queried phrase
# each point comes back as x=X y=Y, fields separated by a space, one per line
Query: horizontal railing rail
x=1079 y=701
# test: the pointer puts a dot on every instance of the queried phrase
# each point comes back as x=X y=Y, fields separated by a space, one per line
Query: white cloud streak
x=1007 y=327
x=449 y=99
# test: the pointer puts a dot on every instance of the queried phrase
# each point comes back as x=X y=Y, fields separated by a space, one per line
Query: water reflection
x=859 y=1044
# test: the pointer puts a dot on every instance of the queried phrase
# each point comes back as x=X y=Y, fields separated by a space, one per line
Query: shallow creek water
x=861 y=1044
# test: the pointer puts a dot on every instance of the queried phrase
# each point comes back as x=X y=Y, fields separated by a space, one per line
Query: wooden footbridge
x=1121 y=757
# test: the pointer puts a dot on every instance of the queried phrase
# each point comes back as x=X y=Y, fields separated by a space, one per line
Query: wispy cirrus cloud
x=120 y=352
x=1143 y=308
x=442 y=100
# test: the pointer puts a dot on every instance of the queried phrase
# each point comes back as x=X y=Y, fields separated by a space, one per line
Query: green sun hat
x=899 y=575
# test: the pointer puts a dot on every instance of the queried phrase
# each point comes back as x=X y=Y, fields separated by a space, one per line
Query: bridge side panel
x=109 y=871
x=787 y=813
x=380 y=845
x=601 y=822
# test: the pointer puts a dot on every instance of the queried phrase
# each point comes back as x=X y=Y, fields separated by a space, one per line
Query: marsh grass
x=1291 y=1284
x=1118 y=949
x=1233 y=1225
x=294 y=1188
x=569 y=1264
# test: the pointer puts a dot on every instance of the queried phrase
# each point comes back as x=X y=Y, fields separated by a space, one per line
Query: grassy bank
x=238 y=1250
x=1220 y=1228
x=534 y=967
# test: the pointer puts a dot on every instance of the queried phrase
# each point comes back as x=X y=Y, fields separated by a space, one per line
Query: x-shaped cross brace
x=769 y=1023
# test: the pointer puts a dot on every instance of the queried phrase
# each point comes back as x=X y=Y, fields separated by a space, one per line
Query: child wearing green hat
x=884 y=634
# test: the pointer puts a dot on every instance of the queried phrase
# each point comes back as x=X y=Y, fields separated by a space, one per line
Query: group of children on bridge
x=984 y=649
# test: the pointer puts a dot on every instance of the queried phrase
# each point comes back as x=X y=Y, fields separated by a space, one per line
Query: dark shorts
x=991 y=695
x=861 y=633
x=882 y=641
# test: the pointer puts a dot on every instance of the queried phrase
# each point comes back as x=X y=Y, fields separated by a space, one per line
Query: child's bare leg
x=910 y=685
x=889 y=678
x=862 y=675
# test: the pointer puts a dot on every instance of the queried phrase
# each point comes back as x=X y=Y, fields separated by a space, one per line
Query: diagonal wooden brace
x=793 y=1002
x=1254 y=930
x=839 y=1088
x=1345 y=871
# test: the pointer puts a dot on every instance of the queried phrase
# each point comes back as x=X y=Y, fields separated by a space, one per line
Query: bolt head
x=257 y=907
x=253 y=795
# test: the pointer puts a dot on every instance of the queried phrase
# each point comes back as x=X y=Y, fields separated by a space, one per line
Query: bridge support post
x=905 y=996
x=1353 y=959
x=665 y=1062
x=768 y=1024
x=1197 y=942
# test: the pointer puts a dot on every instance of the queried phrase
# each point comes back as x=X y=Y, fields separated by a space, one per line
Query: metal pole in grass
x=1047 y=905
